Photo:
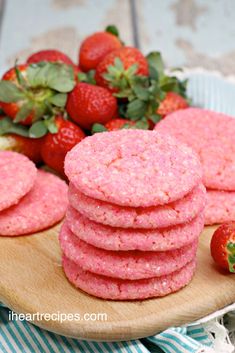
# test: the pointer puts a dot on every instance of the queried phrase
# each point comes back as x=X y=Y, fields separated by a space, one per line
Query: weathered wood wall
x=188 y=32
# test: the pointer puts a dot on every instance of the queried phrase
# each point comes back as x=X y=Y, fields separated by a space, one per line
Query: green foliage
x=88 y=77
x=142 y=95
x=57 y=76
x=7 y=126
x=97 y=128
x=38 y=129
x=113 y=30
x=9 y=92
x=41 y=93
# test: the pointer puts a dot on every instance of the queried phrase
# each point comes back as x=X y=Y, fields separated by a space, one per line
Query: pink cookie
x=220 y=207
x=17 y=176
x=124 y=264
x=211 y=135
x=118 y=289
x=117 y=239
x=177 y=212
x=41 y=208
x=133 y=168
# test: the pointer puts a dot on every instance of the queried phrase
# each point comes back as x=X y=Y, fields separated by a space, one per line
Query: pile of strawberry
x=49 y=104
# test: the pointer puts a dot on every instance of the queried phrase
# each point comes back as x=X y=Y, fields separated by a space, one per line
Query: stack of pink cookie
x=135 y=215
x=30 y=200
x=211 y=135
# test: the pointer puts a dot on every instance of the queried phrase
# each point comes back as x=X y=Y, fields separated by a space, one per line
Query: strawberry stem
x=231 y=256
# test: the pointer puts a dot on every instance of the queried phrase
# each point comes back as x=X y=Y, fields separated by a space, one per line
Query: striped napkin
x=23 y=337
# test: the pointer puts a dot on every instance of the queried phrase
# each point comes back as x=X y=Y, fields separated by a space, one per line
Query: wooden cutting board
x=32 y=280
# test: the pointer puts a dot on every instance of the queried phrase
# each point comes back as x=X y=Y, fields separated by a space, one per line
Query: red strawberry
x=27 y=146
x=88 y=104
x=128 y=56
x=11 y=109
x=55 y=146
x=171 y=103
x=95 y=47
x=223 y=246
x=119 y=123
x=51 y=55
x=10 y=75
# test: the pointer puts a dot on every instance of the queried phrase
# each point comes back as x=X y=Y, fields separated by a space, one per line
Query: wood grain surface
x=32 y=280
x=181 y=29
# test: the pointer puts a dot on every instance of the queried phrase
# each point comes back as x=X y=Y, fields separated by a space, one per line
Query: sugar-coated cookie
x=110 y=238
x=211 y=135
x=118 y=289
x=220 y=207
x=124 y=264
x=135 y=168
x=17 y=176
x=177 y=212
x=42 y=207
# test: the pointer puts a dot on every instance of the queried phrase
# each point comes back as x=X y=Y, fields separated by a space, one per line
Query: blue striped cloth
x=21 y=336
x=182 y=340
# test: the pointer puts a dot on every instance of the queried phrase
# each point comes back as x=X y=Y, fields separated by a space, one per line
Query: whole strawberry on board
x=34 y=94
x=95 y=47
x=55 y=146
x=88 y=104
x=223 y=246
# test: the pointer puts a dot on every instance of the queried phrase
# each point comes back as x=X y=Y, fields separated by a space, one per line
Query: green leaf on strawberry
x=88 y=77
x=38 y=129
x=155 y=118
x=37 y=74
x=231 y=256
x=142 y=124
x=113 y=30
x=61 y=77
x=7 y=126
x=59 y=100
x=20 y=78
x=173 y=84
x=156 y=65
x=98 y=128
x=57 y=76
x=120 y=78
x=9 y=92
x=51 y=125
x=25 y=110
x=141 y=92
x=40 y=108
x=136 y=109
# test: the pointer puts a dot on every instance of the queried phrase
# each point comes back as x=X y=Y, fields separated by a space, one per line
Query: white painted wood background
x=188 y=32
